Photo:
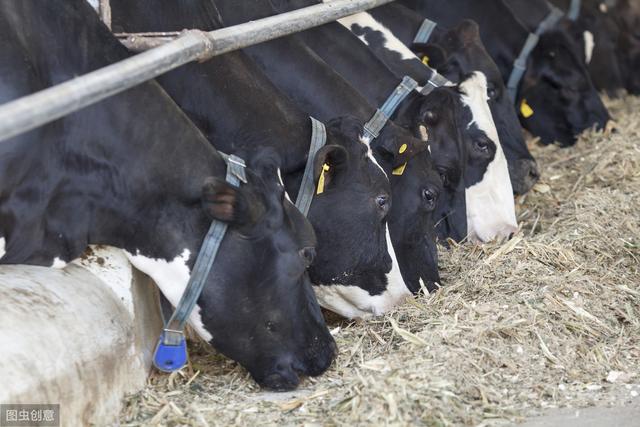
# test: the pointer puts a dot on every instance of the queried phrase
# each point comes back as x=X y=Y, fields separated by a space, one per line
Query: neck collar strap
x=520 y=64
x=307 y=187
x=375 y=125
x=171 y=351
x=424 y=32
x=574 y=10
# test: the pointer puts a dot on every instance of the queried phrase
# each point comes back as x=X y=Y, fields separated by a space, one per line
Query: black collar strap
x=375 y=125
x=574 y=10
x=424 y=32
x=520 y=64
x=307 y=187
x=171 y=351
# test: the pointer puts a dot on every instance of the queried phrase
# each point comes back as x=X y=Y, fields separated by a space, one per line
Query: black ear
x=431 y=54
x=329 y=164
x=468 y=32
x=227 y=203
x=399 y=147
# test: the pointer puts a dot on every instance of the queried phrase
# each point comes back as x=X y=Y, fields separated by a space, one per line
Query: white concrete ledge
x=69 y=337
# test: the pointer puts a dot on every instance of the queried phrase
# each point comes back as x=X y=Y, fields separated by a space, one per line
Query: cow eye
x=482 y=145
x=430 y=116
x=308 y=255
x=382 y=201
x=430 y=197
x=492 y=93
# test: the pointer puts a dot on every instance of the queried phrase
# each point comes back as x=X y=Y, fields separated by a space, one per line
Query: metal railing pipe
x=29 y=112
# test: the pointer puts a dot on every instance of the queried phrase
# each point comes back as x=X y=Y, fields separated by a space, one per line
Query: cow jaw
x=354 y=302
x=172 y=278
x=490 y=206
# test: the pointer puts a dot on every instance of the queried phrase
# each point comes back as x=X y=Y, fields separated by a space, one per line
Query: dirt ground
x=549 y=319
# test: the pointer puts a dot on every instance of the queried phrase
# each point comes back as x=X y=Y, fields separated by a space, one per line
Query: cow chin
x=354 y=302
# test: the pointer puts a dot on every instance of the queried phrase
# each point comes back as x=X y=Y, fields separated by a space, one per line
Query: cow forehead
x=475 y=97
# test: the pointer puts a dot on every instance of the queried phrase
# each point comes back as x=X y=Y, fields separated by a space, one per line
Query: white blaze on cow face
x=172 y=278
x=366 y=141
x=3 y=247
x=589 y=45
x=356 y=303
x=490 y=204
x=391 y=42
x=286 y=194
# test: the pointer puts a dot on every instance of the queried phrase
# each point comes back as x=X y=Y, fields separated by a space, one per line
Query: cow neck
x=388 y=109
x=249 y=112
x=171 y=351
x=503 y=48
x=114 y=168
x=520 y=64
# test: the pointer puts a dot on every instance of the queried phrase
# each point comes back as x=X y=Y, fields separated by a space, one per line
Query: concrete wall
x=82 y=336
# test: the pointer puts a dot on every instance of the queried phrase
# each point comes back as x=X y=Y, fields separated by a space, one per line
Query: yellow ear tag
x=325 y=168
x=525 y=109
x=403 y=148
x=399 y=170
x=425 y=60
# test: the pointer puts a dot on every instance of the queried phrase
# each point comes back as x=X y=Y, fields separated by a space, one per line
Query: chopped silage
x=548 y=319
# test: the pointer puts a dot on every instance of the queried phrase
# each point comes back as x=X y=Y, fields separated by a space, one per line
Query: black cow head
x=597 y=34
x=416 y=188
x=257 y=306
x=626 y=15
x=557 y=99
x=459 y=52
x=466 y=150
x=354 y=276
x=416 y=194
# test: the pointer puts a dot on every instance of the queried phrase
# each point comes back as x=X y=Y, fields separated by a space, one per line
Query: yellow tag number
x=325 y=168
x=399 y=170
x=525 y=109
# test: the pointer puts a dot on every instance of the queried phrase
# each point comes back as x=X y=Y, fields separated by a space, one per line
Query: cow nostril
x=534 y=174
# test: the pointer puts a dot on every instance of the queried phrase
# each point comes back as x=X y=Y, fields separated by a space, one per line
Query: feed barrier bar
x=29 y=112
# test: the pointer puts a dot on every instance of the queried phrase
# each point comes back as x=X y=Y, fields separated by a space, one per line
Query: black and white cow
x=238 y=107
x=450 y=113
x=594 y=35
x=317 y=89
x=454 y=53
x=134 y=173
x=489 y=201
x=611 y=52
x=556 y=97
x=455 y=111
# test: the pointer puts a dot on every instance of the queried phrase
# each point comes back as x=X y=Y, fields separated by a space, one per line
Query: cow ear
x=228 y=203
x=329 y=165
x=398 y=150
x=468 y=32
x=432 y=55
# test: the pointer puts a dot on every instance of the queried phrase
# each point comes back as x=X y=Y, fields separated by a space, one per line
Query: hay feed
x=548 y=319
